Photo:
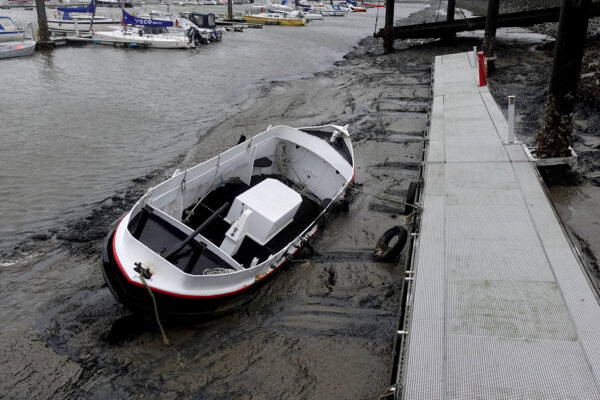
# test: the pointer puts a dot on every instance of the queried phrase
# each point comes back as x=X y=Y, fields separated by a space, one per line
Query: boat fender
x=385 y=253
x=410 y=198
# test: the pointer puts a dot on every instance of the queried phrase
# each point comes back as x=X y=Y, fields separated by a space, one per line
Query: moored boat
x=223 y=226
x=17 y=48
x=80 y=19
x=144 y=32
x=334 y=10
x=274 y=19
x=9 y=31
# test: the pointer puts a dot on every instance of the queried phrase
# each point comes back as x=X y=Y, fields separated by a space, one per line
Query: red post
x=482 y=81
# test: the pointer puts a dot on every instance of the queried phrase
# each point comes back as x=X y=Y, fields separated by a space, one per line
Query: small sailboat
x=144 y=32
x=81 y=19
x=223 y=226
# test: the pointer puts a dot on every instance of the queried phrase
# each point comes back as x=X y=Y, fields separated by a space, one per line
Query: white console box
x=273 y=206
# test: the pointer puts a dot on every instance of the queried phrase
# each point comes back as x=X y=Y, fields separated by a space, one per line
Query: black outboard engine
x=194 y=34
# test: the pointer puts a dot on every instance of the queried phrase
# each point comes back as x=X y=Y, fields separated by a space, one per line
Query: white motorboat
x=144 y=32
x=204 y=24
x=223 y=226
x=17 y=48
x=334 y=10
x=9 y=32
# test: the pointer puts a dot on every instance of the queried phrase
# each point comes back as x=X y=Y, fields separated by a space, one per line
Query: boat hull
x=17 y=49
x=274 y=21
x=274 y=190
x=130 y=39
x=59 y=25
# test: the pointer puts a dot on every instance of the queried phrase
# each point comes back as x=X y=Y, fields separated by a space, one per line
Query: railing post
x=511 y=119
x=388 y=30
x=451 y=8
x=480 y=60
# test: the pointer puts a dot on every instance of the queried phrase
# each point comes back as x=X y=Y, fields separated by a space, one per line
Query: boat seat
x=273 y=206
x=263 y=162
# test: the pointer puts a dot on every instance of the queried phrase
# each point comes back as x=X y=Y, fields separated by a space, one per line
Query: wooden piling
x=230 y=10
x=555 y=137
x=44 y=42
x=451 y=9
x=491 y=23
x=388 y=30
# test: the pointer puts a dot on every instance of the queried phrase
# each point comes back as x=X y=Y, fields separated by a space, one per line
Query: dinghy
x=18 y=48
x=223 y=226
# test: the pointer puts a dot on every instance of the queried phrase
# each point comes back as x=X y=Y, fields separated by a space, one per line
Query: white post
x=76 y=24
x=474 y=52
x=31 y=30
x=511 y=119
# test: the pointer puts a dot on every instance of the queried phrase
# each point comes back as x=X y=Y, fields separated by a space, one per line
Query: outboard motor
x=194 y=34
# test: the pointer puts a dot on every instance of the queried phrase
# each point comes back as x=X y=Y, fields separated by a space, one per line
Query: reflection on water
x=80 y=122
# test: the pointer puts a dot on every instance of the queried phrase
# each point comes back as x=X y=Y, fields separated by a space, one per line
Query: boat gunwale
x=273 y=262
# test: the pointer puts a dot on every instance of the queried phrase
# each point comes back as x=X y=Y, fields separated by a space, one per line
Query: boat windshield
x=151 y=30
x=7 y=25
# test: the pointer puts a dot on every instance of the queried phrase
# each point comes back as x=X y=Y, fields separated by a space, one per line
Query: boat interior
x=253 y=201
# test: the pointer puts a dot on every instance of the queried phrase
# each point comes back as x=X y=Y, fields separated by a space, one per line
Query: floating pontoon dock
x=499 y=305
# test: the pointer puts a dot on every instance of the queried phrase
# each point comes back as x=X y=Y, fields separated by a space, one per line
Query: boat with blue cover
x=144 y=32
x=81 y=19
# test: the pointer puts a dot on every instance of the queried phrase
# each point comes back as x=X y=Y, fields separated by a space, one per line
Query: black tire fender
x=411 y=195
x=385 y=253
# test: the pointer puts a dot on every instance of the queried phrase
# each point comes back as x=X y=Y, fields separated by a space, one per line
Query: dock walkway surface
x=500 y=306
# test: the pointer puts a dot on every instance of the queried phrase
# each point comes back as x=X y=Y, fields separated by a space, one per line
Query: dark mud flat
x=321 y=328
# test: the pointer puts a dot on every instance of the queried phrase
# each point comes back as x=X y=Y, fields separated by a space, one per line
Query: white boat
x=310 y=15
x=18 y=48
x=81 y=20
x=204 y=24
x=144 y=32
x=334 y=10
x=82 y=24
x=9 y=32
x=223 y=226
x=144 y=36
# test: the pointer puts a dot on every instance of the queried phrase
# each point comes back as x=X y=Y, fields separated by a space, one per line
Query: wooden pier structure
x=448 y=28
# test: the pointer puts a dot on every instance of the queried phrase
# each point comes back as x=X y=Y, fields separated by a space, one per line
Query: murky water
x=79 y=123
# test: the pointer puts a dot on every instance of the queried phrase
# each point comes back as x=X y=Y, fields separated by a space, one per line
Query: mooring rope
x=416 y=209
x=391 y=391
x=165 y=339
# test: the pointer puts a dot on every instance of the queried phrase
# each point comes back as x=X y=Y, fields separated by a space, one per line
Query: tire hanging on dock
x=411 y=195
x=388 y=254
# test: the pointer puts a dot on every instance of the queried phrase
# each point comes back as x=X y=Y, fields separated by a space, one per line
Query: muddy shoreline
x=317 y=329
x=321 y=328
